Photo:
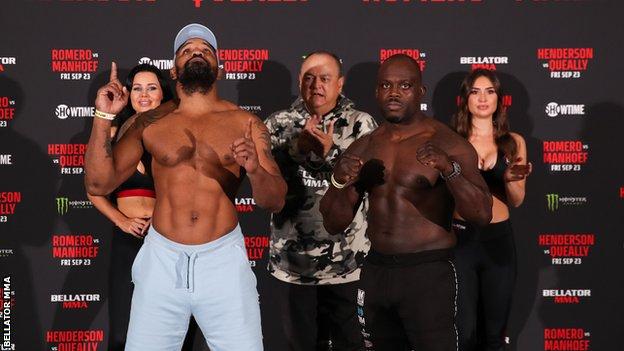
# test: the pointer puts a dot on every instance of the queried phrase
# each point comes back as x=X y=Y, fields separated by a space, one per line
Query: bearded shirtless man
x=194 y=260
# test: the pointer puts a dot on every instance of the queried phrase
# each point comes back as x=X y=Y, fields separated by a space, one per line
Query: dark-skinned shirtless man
x=194 y=260
x=415 y=171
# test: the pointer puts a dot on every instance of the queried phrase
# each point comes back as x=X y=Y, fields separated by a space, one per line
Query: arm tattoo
x=108 y=146
x=266 y=139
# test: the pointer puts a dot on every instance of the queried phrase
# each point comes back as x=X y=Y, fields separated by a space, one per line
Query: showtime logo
x=63 y=111
x=7 y=110
x=69 y=157
x=573 y=339
x=74 y=64
x=567 y=248
x=245 y=204
x=485 y=62
x=75 y=301
x=7 y=302
x=6 y=159
x=242 y=64
x=8 y=204
x=6 y=61
x=565 y=155
x=75 y=249
x=75 y=340
x=554 y=109
x=162 y=64
x=569 y=296
x=565 y=62
x=256 y=246
x=416 y=54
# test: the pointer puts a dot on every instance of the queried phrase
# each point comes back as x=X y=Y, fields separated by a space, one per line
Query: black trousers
x=486 y=267
x=124 y=248
x=407 y=301
x=317 y=316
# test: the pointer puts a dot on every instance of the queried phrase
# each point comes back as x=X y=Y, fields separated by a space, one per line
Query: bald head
x=406 y=63
x=399 y=89
x=320 y=82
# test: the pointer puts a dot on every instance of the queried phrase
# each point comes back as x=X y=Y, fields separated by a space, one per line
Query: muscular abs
x=195 y=175
x=410 y=210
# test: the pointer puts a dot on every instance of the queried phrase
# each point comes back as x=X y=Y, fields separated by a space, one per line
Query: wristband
x=104 y=115
x=335 y=182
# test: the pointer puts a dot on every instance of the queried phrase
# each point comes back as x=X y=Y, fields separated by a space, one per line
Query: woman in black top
x=485 y=257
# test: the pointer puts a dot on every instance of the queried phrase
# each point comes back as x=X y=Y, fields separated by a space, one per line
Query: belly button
x=194 y=216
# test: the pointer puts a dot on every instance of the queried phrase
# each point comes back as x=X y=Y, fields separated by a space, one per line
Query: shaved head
x=399 y=89
x=403 y=60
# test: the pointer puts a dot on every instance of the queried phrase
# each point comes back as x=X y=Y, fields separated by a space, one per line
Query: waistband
x=187 y=254
x=136 y=192
x=466 y=231
x=408 y=259
x=232 y=237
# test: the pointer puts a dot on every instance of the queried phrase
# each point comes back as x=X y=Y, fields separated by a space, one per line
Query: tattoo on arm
x=108 y=146
x=266 y=139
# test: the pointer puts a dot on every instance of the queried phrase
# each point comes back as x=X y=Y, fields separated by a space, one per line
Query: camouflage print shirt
x=301 y=251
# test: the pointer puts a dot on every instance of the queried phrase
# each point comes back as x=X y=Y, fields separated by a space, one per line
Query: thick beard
x=197 y=77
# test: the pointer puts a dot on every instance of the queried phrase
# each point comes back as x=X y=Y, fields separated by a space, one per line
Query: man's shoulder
x=448 y=139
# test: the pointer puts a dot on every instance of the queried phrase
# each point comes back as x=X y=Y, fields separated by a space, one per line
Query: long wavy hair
x=462 y=120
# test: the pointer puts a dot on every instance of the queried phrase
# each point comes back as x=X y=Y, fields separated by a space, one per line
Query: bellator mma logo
x=567 y=248
x=69 y=157
x=162 y=64
x=245 y=204
x=7 y=110
x=565 y=62
x=8 y=203
x=74 y=64
x=565 y=155
x=242 y=64
x=75 y=301
x=572 y=339
x=256 y=246
x=7 y=302
x=485 y=62
x=566 y=296
x=75 y=249
x=75 y=340
x=5 y=61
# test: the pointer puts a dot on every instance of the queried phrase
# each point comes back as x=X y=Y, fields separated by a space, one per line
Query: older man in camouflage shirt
x=320 y=270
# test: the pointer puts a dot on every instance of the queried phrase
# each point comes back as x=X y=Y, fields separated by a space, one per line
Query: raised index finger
x=248 y=132
x=113 y=74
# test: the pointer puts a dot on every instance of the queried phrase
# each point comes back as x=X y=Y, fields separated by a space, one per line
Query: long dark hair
x=462 y=120
x=128 y=111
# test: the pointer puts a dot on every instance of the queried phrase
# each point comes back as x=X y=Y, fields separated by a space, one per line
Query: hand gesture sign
x=315 y=140
x=135 y=226
x=434 y=157
x=347 y=169
x=244 y=151
x=516 y=171
x=112 y=97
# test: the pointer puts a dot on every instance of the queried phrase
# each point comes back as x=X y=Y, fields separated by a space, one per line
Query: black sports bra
x=495 y=177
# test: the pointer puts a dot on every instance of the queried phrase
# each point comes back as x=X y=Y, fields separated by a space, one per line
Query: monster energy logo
x=62 y=205
x=553 y=201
